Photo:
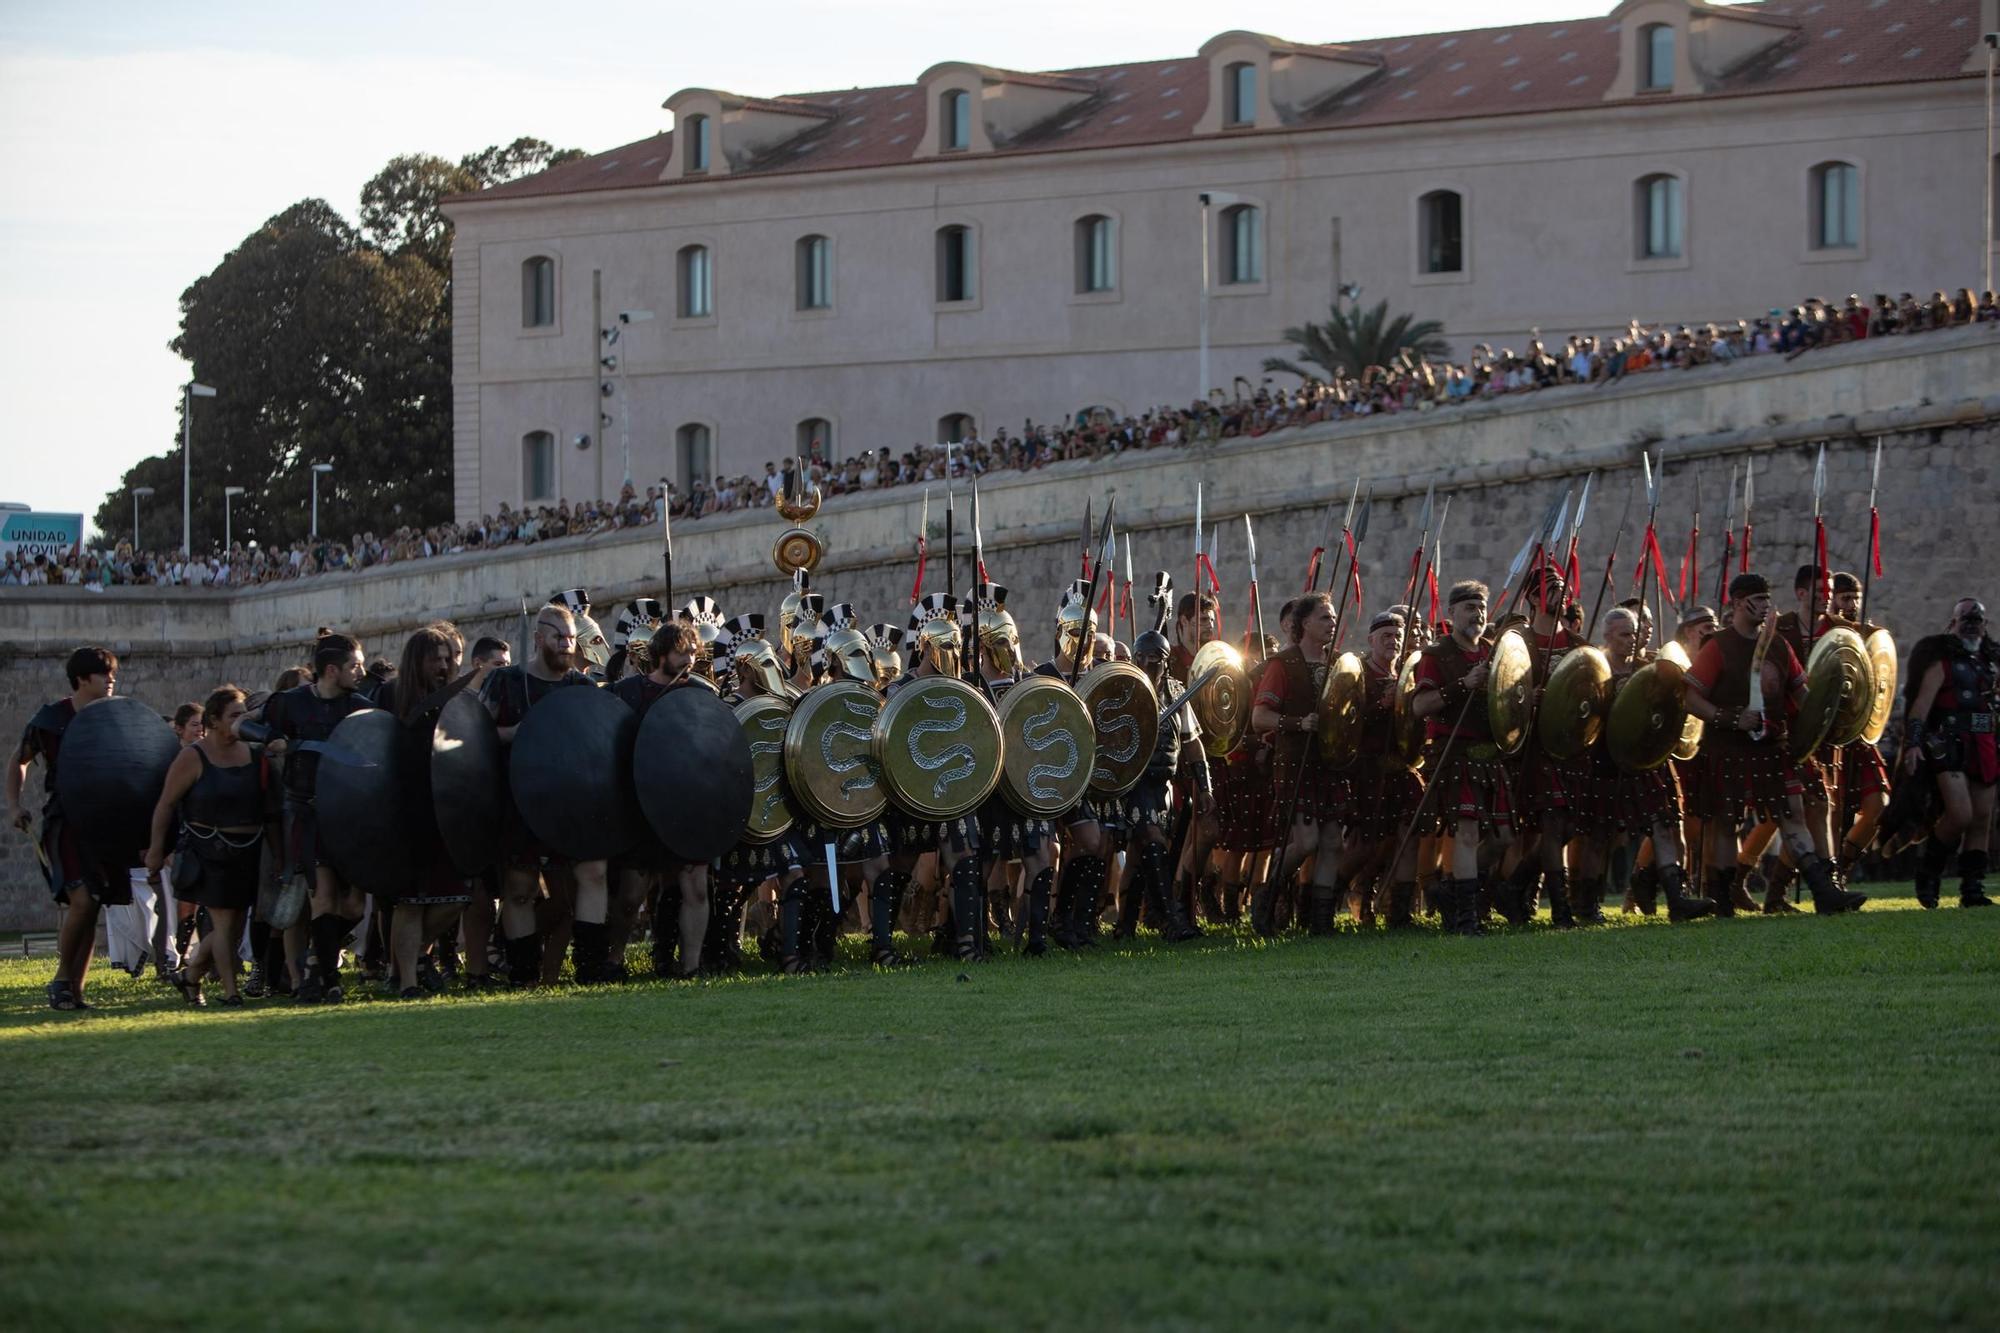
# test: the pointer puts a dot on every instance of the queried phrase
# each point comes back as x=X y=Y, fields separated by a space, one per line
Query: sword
x=833 y=879
x=1187 y=696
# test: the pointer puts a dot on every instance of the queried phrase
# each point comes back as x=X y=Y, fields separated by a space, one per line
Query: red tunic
x=1733 y=770
x=1290 y=685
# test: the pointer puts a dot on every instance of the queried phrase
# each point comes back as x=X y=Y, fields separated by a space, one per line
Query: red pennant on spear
x=1749 y=495
x=923 y=548
x=1691 y=562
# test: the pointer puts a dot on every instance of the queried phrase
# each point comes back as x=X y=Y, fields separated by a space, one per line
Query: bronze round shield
x=1836 y=670
x=1409 y=727
x=1048 y=748
x=1645 y=720
x=1574 y=703
x=1125 y=714
x=937 y=743
x=1510 y=684
x=1223 y=706
x=1341 y=701
x=796 y=549
x=1691 y=726
x=1881 y=647
x=830 y=756
x=691 y=768
x=763 y=719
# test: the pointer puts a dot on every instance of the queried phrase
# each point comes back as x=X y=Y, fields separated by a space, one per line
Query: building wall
x=1549 y=245
x=1931 y=399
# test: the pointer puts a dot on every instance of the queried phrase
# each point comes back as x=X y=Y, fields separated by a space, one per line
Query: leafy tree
x=326 y=343
x=1353 y=339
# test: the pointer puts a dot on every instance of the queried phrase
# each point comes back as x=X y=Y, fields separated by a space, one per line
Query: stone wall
x=1931 y=400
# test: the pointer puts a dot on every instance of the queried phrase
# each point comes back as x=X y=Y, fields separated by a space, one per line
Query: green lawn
x=1785 y=1123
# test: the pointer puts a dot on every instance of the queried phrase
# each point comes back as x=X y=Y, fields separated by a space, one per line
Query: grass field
x=1772 y=1122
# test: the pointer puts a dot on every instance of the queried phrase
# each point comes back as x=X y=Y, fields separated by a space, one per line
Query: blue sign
x=28 y=534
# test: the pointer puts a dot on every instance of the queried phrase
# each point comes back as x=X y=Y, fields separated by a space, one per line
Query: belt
x=1979 y=724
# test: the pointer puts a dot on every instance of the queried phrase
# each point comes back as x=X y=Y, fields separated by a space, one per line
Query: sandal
x=190 y=990
x=232 y=1001
x=61 y=997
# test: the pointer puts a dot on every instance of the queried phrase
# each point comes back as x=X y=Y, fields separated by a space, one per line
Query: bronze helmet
x=935 y=635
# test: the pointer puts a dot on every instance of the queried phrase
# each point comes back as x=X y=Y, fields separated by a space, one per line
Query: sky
x=139 y=142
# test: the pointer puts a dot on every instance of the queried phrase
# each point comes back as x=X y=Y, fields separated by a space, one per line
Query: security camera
x=605 y=390
x=610 y=335
x=1992 y=39
x=608 y=362
x=581 y=441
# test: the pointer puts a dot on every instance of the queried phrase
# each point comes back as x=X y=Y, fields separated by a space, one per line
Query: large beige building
x=982 y=246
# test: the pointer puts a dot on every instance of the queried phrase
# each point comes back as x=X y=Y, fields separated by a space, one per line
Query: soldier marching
x=1492 y=760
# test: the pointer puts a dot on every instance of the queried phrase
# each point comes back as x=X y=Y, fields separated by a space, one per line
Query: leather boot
x=1556 y=882
x=1971 y=877
x=1402 y=897
x=1645 y=892
x=1739 y=888
x=1153 y=869
x=1065 y=905
x=1517 y=899
x=1440 y=896
x=791 y=920
x=1930 y=871
x=1211 y=903
x=1465 y=896
x=885 y=899
x=589 y=952
x=1092 y=905
x=1672 y=882
x=524 y=960
x=1183 y=897
x=1324 y=905
x=1587 y=899
x=1083 y=906
x=1263 y=907
x=1717 y=886
x=1828 y=896
x=967 y=906
x=1038 y=913
x=1776 y=903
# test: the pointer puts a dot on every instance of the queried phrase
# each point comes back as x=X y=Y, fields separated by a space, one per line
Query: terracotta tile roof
x=1537 y=67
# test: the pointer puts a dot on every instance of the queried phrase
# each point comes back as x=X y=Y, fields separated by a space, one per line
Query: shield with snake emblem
x=1125 y=714
x=763 y=719
x=937 y=743
x=829 y=755
x=1050 y=748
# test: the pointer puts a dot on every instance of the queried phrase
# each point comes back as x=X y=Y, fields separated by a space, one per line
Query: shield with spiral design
x=1126 y=717
x=937 y=742
x=830 y=758
x=1223 y=706
x=763 y=719
x=1049 y=747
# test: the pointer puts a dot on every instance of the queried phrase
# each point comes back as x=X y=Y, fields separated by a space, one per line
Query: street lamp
x=1208 y=197
x=228 y=533
x=191 y=392
x=616 y=364
x=137 y=491
x=318 y=470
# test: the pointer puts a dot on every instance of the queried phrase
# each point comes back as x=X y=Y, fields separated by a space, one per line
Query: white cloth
x=128 y=929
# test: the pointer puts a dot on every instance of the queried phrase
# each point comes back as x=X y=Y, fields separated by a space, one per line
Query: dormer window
x=1240 y=85
x=1656 y=58
x=698 y=143
x=955 y=120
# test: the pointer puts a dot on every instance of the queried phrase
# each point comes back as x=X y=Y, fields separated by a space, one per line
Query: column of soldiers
x=930 y=778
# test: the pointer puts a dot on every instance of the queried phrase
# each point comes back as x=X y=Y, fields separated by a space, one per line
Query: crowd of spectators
x=1410 y=384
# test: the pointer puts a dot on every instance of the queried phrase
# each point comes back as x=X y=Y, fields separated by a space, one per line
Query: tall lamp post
x=1209 y=198
x=228 y=531
x=626 y=318
x=191 y=391
x=137 y=491
x=1992 y=40
x=319 y=470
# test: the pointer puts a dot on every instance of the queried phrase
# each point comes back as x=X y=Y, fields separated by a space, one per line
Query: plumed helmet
x=885 y=646
x=1073 y=618
x=999 y=638
x=576 y=601
x=934 y=633
x=637 y=619
x=800 y=607
x=752 y=661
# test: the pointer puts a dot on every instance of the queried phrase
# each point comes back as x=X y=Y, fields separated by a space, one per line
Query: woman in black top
x=219 y=788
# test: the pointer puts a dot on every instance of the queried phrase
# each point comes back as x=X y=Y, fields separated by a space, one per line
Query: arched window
x=815 y=439
x=812 y=273
x=698 y=134
x=1659 y=220
x=1096 y=254
x=1242 y=244
x=1239 y=89
x=955 y=120
x=538 y=466
x=1656 y=58
x=954 y=264
x=538 y=293
x=693 y=455
x=955 y=428
x=1836 y=206
x=1441 y=232
x=696 y=293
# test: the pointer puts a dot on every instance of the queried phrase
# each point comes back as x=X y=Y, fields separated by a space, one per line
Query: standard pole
x=1201 y=379
x=135 y=522
x=1986 y=237
x=315 y=518
x=187 y=472
x=228 y=529
x=603 y=349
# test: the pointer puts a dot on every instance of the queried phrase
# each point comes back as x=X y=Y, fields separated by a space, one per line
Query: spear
x=923 y=548
x=1346 y=547
x=1691 y=562
x=1196 y=585
x=1131 y=613
x=1423 y=544
x=1256 y=602
x=1353 y=571
x=1076 y=658
x=1610 y=561
x=1728 y=540
x=1087 y=526
x=1110 y=598
x=1650 y=558
x=1314 y=565
x=1821 y=578
x=950 y=564
x=1749 y=495
x=1873 y=565
x=1433 y=559
x=978 y=537
x=1569 y=570
x=667 y=553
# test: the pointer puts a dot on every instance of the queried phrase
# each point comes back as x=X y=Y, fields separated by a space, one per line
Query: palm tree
x=1354 y=339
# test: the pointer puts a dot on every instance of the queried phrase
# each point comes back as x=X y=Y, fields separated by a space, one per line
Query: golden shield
x=1645 y=722
x=1409 y=727
x=1341 y=702
x=1510 y=684
x=937 y=744
x=1223 y=706
x=1125 y=715
x=830 y=756
x=763 y=720
x=1836 y=671
x=1574 y=703
x=1048 y=749
x=1881 y=647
